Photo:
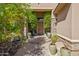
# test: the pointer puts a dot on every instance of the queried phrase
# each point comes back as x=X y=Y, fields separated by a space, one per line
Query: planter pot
x=53 y=49
x=64 y=51
x=29 y=35
x=48 y=35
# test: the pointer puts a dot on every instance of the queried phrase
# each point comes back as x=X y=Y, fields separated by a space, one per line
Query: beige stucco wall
x=68 y=29
x=43 y=6
x=65 y=27
x=52 y=21
x=75 y=21
x=70 y=26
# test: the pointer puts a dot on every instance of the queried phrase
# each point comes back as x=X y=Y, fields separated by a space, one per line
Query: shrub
x=47 y=21
x=12 y=18
x=54 y=38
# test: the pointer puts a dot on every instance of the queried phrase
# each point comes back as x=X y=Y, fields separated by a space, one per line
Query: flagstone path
x=37 y=46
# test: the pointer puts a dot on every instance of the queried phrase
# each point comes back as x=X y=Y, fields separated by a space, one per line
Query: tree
x=32 y=22
x=12 y=18
x=47 y=21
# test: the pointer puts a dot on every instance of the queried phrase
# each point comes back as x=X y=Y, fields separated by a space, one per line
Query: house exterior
x=64 y=22
x=40 y=9
x=67 y=25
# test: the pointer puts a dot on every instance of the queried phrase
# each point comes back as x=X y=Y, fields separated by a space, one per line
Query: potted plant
x=52 y=46
x=29 y=35
x=64 y=51
x=48 y=34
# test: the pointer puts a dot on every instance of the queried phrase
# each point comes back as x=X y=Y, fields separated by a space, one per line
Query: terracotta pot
x=64 y=51
x=53 y=49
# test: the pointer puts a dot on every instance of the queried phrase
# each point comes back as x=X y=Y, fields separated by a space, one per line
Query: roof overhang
x=43 y=6
x=59 y=8
x=42 y=10
x=59 y=11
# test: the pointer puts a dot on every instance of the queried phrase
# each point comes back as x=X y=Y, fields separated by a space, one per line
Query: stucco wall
x=65 y=27
x=43 y=5
x=75 y=21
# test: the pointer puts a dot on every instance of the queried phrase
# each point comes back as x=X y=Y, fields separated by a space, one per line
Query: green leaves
x=54 y=38
x=12 y=19
x=47 y=21
x=32 y=20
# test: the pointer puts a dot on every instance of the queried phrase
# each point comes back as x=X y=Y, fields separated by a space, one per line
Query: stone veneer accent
x=72 y=45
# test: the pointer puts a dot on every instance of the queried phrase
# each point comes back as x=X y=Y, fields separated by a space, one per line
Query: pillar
x=53 y=23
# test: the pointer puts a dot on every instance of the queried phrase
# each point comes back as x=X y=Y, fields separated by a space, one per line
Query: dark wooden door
x=40 y=28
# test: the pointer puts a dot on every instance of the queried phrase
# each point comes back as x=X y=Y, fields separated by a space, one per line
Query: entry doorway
x=40 y=22
x=40 y=27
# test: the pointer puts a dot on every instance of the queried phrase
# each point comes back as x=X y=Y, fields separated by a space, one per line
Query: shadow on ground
x=32 y=48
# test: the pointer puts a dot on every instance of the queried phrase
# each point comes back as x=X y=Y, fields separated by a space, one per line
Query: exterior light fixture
x=38 y=4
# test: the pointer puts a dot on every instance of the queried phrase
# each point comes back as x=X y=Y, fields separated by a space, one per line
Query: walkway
x=37 y=46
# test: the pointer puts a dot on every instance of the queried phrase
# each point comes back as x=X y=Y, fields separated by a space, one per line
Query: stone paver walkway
x=37 y=46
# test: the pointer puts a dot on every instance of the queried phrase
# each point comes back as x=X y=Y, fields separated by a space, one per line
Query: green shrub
x=12 y=18
x=47 y=21
x=54 y=38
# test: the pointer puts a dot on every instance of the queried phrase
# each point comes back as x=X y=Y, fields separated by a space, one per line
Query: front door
x=40 y=28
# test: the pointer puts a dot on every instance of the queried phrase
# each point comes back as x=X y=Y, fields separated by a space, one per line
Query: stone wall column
x=53 y=24
x=25 y=29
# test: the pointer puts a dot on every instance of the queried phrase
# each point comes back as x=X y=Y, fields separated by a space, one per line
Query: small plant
x=52 y=47
x=54 y=38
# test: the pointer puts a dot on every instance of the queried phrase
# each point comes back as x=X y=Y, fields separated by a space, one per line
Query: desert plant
x=54 y=38
x=52 y=46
